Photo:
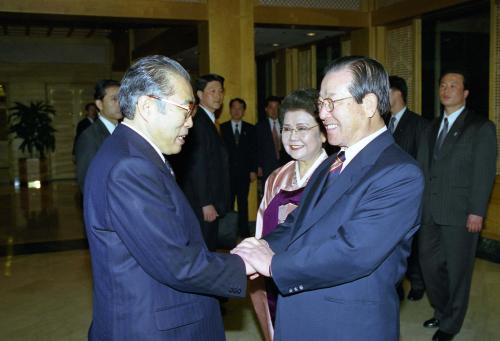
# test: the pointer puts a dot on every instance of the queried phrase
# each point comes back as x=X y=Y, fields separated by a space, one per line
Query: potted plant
x=32 y=124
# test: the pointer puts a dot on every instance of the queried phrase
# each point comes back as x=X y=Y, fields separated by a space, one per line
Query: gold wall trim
x=151 y=9
x=409 y=9
x=309 y=16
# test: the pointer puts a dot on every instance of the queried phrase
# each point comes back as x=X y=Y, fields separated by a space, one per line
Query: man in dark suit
x=153 y=277
x=406 y=128
x=458 y=156
x=90 y=116
x=239 y=138
x=270 y=151
x=205 y=164
x=88 y=143
x=337 y=258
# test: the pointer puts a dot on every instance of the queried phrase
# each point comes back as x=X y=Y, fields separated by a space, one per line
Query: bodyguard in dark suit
x=88 y=143
x=406 y=128
x=239 y=137
x=337 y=258
x=458 y=156
x=270 y=151
x=153 y=276
x=205 y=164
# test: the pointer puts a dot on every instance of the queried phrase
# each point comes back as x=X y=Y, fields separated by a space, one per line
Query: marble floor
x=46 y=295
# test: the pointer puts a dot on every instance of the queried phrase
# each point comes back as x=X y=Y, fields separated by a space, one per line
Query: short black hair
x=461 y=72
x=102 y=85
x=201 y=83
x=271 y=99
x=239 y=100
x=398 y=83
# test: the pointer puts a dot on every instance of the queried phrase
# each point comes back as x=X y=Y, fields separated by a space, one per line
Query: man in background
x=458 y=154
x=240 y=140
x=406 y=127
x=205 y=164
x=270 y=151
x=88 y=143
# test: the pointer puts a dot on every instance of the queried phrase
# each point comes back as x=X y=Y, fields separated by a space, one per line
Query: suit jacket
x=266 y=154
x=152 y=272
x=81 y=126
x=459 y=182
x=409 y=131
x=87 y=146
x=204 y=166
x=242 y=156
x=338 y=258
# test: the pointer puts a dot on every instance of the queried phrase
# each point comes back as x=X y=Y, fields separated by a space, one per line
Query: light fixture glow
x=311 y=34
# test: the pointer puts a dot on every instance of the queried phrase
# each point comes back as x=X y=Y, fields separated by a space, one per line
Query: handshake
x=257 y=256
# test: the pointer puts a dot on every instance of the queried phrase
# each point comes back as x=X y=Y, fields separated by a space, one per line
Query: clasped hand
x=257 y=256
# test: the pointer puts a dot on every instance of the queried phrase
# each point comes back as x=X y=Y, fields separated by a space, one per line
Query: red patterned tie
x=336 y=166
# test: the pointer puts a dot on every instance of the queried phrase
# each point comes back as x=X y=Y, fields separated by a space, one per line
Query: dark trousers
x=239 y=192
x=209 y=231
x=414 y=272
x=447 y=255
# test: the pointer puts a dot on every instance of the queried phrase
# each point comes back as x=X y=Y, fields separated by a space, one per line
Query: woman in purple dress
x=303 y=135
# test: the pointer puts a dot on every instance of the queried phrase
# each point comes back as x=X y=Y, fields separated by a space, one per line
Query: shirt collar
x=399 y=114
x=107 y=123
x=234 y=123
x=158 y=151
x=210 y=114
x=353 y=150
x=453 y=116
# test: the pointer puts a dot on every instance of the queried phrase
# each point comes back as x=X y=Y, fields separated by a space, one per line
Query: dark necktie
x=440 y=139
x=392 y=124
x=276 y=140
x=236 y=134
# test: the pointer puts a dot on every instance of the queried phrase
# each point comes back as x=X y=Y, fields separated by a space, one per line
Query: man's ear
x=369 y=104
x=199 y=93
x=144 y=107
x=466 y=93
x=98 y=104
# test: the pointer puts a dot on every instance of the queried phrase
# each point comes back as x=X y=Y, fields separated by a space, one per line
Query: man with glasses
x=337 y=258
x=153 y=276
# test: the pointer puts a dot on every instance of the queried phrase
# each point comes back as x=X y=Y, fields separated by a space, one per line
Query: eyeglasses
x=299 y=130
x=329 y=103
x=190 y=109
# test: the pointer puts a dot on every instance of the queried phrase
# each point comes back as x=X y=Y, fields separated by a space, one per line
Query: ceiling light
x=311 y=34
x=276 y=44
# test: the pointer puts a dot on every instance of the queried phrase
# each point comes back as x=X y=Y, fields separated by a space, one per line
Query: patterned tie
x=336 y=166
x=392 y=123
x=334 y=171
x=276 y=140
x=236 y=133
x=440 y=139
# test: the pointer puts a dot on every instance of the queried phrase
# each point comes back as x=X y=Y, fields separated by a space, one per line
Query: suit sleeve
x=146 y=219
x=85 y=150
x=386 y=214
x=484 y=171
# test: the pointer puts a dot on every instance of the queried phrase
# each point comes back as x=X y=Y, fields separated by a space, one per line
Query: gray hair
x=150 y=75
x=368 y=77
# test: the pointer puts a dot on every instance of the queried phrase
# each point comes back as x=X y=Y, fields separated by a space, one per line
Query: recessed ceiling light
x=276 y=44
x=311 y=34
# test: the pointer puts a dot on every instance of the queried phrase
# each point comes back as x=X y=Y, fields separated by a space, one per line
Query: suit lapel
x=312 y=209
x=400 y=129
